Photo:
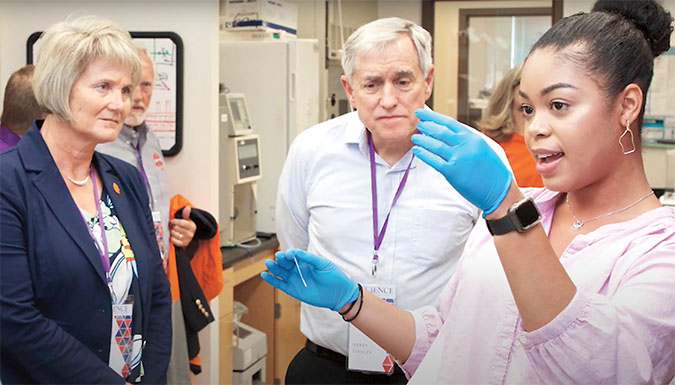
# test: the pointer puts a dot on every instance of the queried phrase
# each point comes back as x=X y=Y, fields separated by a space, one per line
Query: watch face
x=527 y=213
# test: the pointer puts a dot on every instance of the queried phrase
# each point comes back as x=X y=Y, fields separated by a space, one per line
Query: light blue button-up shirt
x=324 y=206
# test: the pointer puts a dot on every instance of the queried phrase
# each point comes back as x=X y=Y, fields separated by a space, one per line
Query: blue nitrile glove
x=464 y=159
x=327 y=285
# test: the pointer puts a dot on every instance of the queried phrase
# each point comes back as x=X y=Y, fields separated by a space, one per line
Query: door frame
x=463 y=55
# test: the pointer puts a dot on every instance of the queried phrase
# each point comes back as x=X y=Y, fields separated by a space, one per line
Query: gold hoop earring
x=632 y=140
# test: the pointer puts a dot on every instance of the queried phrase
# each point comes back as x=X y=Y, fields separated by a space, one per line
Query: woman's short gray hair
x=65 y=51
x=382 y=32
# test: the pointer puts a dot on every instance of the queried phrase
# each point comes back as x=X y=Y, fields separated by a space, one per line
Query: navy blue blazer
x=55 y=308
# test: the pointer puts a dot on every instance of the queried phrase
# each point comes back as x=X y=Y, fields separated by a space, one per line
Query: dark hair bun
x=648 y=16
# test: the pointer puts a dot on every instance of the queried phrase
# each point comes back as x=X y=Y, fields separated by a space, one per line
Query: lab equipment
x=249 y=350
x=668 y=198
x=653 y=129
x=261 y=15
x=240 y=170
x=281 y=82
x=234 y=118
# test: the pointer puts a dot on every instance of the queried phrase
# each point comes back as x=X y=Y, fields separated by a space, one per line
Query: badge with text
x=364 y=354
x=122 y=340
x=159 y=233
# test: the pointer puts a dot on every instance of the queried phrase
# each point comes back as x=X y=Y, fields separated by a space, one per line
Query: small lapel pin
x=116 y=188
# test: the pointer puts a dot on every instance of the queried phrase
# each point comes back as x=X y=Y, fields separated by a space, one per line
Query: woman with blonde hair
x=504 y=122
x=83 y=295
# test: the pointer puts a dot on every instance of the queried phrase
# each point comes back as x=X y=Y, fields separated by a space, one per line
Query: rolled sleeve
x=428 y=323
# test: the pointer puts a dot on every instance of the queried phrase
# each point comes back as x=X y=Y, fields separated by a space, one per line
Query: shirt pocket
x=439 y=233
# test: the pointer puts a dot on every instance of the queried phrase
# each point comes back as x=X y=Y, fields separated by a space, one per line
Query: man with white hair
x=352 y=191
x=137 y=144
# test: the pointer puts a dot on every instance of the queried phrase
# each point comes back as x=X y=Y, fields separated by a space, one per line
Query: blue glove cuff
x=499 y=201
x=353 y=302
x=352 y=298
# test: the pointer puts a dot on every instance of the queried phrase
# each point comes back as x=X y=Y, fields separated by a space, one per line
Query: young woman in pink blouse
x=571 y=283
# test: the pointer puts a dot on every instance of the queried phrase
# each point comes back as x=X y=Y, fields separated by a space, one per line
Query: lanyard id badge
x=102 y=244
x=121 y=343
x=364 y=354
x=159 y=233
x=378 y=235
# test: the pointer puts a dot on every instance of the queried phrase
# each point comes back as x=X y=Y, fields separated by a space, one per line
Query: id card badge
x=122 y=340
x=364 y=354
x=159 y=231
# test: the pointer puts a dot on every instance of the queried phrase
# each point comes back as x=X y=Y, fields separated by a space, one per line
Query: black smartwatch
x=521 y=216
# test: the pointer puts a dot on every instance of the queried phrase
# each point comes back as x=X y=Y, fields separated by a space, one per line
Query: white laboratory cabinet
x=659 y=163
x=280 y=79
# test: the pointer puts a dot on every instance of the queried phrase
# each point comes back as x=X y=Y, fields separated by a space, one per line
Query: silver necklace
x=578 y=223
x=78 y=182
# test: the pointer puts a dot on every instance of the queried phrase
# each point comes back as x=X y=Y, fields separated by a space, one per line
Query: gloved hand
x=327 y=285
x=464 y=159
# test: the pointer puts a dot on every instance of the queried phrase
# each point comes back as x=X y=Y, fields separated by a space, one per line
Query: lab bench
x=269 y=310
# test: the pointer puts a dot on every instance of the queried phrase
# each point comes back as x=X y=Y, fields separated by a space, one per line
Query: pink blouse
x=618 y=328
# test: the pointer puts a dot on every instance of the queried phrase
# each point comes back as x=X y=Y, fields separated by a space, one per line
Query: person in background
x=83 y=295
x=19 y=107
x=568 y=284
x=352 y=191
x=504 y=122
x=138 y=145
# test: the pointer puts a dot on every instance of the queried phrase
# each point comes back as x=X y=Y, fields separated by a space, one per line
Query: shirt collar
x=8 y=138
x=132 y=136
x=355 y=130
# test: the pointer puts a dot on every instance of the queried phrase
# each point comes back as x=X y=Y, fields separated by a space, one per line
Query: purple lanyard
x=140 y=162
x=378 y=237
x=105 y=258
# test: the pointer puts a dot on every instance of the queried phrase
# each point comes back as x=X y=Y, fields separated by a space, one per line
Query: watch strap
x=500 y=226
x=521 y=216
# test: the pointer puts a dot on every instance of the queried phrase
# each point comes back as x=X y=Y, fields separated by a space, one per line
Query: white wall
x=406 y=9
x=194 y=171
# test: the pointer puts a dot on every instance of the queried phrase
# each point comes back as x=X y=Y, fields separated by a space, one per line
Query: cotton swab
x=300 y=272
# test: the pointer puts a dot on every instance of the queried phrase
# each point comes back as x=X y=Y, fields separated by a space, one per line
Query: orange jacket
x=522 y=162
x=206 y=264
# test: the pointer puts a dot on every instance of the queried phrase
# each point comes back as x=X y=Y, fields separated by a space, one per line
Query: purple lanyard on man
x=379 y=236
x=139 y=155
